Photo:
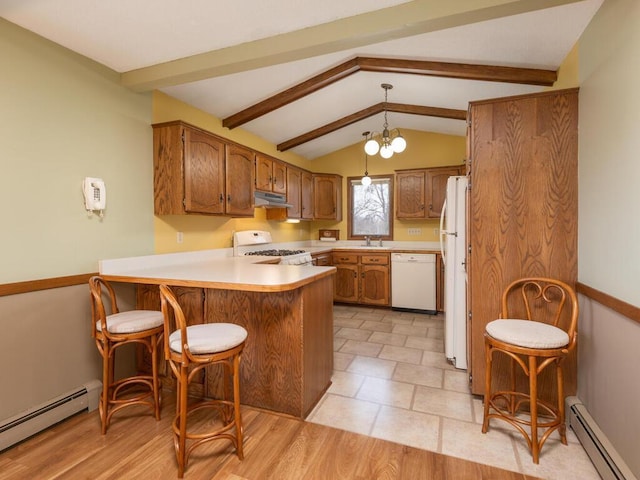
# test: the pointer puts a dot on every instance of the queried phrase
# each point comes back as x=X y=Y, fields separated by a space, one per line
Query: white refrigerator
x=453 y=246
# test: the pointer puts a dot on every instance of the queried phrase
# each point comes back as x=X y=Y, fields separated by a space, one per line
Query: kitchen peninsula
x=287 y=310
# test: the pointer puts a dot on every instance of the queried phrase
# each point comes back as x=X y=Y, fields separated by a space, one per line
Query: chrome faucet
x=367 y=239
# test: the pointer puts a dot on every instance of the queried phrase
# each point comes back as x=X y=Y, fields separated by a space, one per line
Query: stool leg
x=182 y=420
x=487 y=387
x=563 y=427
x=533 y=407
x=106 y=382
x=236 y=405
x=154 y=375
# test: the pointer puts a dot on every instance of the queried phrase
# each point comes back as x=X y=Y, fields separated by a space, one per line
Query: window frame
x=350 y=184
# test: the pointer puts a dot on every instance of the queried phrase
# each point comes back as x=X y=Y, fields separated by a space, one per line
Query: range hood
x=271 y=200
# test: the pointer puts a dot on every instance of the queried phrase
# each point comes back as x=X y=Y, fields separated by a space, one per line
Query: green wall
x=64 y=118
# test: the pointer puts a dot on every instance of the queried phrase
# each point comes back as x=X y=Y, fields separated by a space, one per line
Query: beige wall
x=609 y=229
x=65 y=118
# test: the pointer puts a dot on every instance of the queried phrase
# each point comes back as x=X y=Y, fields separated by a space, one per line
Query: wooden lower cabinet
x=287 y=361
x=321 y=259
x=362 y=278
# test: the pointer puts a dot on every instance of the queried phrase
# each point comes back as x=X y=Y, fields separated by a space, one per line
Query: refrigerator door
x=455 y=272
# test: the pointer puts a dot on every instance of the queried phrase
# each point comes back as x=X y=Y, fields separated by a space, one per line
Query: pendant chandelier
x=366 y=180
x=389 y=141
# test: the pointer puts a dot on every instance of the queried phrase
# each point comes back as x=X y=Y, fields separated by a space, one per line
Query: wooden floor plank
x=276 y=447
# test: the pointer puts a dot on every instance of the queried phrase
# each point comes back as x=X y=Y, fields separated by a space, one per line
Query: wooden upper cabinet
x=306 y=195
x=188 y=166
x=240 y=179
x=279 y=181
x=437 y=188
x=327 y=195
x=420 y=193
x=294 y=179
x=270 y=174
x=410 y=194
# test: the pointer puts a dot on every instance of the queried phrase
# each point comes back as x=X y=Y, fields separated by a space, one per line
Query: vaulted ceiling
x=307 y=76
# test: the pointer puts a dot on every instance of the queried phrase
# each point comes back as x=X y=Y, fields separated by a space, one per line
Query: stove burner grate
x=275 y=252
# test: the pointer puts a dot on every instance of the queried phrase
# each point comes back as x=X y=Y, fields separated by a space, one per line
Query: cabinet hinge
x=183 y=137
x=184 y=202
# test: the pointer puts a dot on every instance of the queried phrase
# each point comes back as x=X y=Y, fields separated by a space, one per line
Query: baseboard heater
x=609 y=464
x=36 y=419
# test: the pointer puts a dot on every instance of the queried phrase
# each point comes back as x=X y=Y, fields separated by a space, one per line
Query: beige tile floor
x=392 y=381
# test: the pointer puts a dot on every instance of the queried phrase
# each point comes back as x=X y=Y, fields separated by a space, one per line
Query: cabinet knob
x=229 y=198
x=355 y=274
x=221 y=198
x=421 y=207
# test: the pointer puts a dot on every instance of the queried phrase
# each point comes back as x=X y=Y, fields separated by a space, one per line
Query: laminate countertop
x=208 y=269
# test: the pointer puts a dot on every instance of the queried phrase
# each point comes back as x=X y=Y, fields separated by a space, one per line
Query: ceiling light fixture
x=383 y=142
x=366 y=180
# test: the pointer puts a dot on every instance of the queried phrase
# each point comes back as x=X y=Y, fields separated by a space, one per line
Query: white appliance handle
x=442 y=232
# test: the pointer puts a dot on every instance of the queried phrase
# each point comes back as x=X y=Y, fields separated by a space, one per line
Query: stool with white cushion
x=113 y=330
x=189 y=349
x=537 y=328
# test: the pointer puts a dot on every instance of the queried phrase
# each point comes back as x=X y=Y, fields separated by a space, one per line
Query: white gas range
x=255 y=238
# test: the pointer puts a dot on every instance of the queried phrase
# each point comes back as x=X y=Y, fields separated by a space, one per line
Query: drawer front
x=375 y=259
x=345 y=258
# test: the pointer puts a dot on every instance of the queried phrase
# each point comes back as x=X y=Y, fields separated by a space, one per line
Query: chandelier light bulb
x=371 y=147
x=366 y=180
x=399 y=144
x=386 y=151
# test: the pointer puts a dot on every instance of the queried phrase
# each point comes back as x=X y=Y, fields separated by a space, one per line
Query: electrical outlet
x=414 y=231
x=179 y=237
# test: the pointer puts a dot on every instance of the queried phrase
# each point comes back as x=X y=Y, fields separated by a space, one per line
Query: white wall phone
x=95 y=195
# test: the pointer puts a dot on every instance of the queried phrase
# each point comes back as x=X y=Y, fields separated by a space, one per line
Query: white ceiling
x=129 y=35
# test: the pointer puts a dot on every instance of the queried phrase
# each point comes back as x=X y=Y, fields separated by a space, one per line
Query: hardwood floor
x=276 y=447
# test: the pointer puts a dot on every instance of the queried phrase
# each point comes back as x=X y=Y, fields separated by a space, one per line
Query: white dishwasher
x=413 y=281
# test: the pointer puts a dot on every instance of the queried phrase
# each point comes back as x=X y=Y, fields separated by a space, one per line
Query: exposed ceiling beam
x=368 y=112
x=400 y=21
x=489 y=73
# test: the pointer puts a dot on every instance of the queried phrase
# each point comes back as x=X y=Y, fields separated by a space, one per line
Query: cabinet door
x=306 y=197
x=374 y=284
x=346 y=283
x=437 y=188
x=410 y=196
x=293 y=192
x=279 y=177
x=327 y=191
x=239 y=181
x=264 y=167
x=203 y=173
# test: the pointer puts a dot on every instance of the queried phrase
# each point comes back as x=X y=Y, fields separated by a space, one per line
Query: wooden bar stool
x=535 y=331
x=111 y=331
x=189 y=349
